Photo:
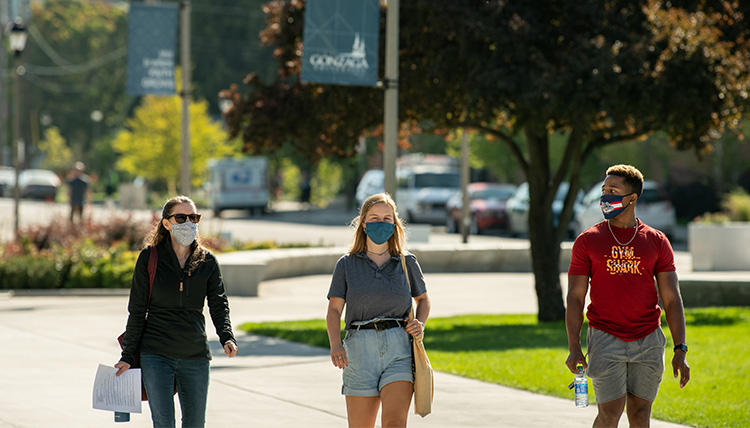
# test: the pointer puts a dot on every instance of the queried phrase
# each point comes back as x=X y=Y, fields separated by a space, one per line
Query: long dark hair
x=159 y=233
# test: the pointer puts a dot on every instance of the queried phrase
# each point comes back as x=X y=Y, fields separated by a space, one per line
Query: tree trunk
x=545 y=255
x=543 y=236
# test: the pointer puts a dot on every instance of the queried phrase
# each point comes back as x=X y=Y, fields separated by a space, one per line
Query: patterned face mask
x=185 y=233
x=611 y=205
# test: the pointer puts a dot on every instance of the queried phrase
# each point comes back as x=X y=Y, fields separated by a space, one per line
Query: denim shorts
x=376 y=358
x=617 y=367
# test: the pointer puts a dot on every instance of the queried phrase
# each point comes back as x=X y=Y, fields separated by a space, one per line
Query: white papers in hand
x=119 y=394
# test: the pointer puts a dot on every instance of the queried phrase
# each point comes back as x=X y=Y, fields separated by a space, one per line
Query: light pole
x=390 y=107
x=185 y=60
x=17 y=36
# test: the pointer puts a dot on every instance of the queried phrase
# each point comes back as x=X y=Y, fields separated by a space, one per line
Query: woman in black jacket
x=168 y=330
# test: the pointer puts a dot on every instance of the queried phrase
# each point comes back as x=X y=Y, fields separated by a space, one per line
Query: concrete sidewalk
x=51 y=346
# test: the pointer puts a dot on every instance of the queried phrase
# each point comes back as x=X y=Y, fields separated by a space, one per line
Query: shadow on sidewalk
x=251 y=345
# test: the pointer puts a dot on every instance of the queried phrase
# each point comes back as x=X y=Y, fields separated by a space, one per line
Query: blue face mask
x=611 y=205
x=379 y=232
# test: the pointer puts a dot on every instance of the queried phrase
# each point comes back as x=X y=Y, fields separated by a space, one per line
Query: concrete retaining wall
x=714 y=292
x=244 y=270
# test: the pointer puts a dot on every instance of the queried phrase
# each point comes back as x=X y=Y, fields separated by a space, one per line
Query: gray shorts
x=376 y=358
x=617 y=367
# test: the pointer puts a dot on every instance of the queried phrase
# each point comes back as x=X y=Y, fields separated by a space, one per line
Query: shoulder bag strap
x=153 y=259
x=406 y=272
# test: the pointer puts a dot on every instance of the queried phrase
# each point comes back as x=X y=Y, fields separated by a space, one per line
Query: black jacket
x=175 y=326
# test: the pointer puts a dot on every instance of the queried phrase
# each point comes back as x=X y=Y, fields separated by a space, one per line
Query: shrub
x=98 y=267
x=96 y=255
x=735 y=207
x=30 y=271
x=61 y=255
x=60 y=232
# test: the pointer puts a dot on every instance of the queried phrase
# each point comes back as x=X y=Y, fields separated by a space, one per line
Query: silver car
x=653 y=208
x=39 y=184
x=370 y=184
x=7 y=180
x=518 y=208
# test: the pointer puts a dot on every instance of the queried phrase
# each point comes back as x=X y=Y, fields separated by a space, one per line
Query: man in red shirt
x=620 y=257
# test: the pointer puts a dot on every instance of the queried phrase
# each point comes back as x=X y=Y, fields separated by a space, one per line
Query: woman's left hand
x=414 y=327
x=230 y=348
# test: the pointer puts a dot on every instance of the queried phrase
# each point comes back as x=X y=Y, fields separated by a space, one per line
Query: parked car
x=38 y=184
x=518 y=208
x=372 y=182
x=7 y=180
x=486 y=207
x=424 y=190
x=653 y=208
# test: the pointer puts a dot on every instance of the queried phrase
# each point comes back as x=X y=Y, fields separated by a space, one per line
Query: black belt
x=380 y=325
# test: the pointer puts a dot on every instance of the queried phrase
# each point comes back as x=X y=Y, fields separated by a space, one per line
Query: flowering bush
x=93 y=255
x=62 y=255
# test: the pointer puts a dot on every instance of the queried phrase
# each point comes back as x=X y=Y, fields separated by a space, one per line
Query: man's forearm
x=573 y=324
x=675 y=314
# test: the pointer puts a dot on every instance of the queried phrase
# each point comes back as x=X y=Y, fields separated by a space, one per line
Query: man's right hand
x=574 y=359
x=123 y=366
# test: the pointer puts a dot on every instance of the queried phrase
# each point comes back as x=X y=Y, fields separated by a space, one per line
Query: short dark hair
x=633 y=177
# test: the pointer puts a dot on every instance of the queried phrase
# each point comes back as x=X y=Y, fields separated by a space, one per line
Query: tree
x=76 y=64
x=150 y=147
x=571 y=76
x=59 y=157
x=224 y=43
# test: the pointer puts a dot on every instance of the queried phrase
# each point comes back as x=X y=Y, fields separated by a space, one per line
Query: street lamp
x=17 y=35
x=96 y=118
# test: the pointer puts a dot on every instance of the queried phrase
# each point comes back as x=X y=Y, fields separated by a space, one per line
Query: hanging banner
x=152 y=45
x=341 y=42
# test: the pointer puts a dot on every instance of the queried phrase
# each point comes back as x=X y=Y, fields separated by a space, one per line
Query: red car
x=486 y=207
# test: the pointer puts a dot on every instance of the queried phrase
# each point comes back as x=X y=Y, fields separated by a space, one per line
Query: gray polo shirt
x=371 y=291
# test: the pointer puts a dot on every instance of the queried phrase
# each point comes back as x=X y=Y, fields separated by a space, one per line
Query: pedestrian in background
x=78 y=191
x=376 y=354
x=620 y=257
x=172 y=345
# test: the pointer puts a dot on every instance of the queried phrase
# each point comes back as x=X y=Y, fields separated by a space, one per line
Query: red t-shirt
x=624 y=301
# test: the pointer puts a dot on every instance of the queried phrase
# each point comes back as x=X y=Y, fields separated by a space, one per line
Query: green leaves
x=151 y=145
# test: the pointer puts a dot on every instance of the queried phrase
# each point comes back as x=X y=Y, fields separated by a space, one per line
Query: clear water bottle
x=581 y=387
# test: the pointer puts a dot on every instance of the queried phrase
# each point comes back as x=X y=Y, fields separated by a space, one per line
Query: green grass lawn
x=516 y=351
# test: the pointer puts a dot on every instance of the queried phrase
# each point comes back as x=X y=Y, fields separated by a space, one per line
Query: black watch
x=681 y=346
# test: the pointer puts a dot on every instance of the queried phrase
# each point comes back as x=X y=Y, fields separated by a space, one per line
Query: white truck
x=238 y=184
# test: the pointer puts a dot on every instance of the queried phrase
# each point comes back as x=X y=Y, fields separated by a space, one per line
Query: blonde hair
x=633 y=177
x=396 y=242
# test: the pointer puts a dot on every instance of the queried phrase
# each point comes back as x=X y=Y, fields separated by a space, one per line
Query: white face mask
x=185 y=233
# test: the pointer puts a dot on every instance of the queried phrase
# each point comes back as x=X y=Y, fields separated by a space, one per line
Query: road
x=288 y=224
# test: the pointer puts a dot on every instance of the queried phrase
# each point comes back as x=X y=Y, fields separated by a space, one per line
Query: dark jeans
x=159 y=376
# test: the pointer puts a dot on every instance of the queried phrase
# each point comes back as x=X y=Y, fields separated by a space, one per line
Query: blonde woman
x=369 y=280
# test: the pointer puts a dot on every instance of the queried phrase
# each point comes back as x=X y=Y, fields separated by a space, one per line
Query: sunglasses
x=182 y=218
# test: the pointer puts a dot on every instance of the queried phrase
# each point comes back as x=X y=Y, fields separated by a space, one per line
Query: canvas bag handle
x=406 y=272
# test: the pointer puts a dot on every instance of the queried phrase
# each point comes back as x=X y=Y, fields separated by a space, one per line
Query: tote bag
x=424 y=382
